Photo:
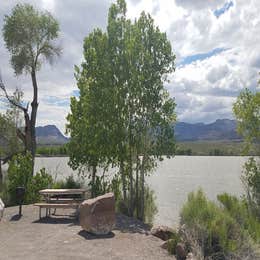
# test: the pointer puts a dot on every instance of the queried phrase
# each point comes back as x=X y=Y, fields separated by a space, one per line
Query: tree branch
x=21 y=135
x=10 y=100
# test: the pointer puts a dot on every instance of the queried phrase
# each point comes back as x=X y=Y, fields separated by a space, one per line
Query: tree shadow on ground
x=16 y=217
x=58 y=219
x=126 y=224
x=123 y=224
x=90 y=236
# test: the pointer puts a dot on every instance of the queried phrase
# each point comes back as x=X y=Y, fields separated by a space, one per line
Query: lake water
x=175 y=178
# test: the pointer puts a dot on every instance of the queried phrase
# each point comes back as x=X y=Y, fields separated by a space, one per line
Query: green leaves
x=123 y=111
x=247 y=112
x=29 y=34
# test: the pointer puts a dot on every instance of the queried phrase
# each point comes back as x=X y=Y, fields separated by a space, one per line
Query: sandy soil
x=61 y=237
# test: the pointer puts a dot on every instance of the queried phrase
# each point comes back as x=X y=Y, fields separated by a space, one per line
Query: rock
x=164 y=245
x=163 y=232
x=180 y=251
x=98 y=215
x=190 y=256
x=2 y=208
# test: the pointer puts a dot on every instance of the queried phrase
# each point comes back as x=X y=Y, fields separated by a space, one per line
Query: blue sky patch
x=223 y=9
x=52 y=100
x=75 y=93
x=200 y=56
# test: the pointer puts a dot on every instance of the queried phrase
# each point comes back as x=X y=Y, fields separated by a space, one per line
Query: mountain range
x=50 y=134
x=221 y=129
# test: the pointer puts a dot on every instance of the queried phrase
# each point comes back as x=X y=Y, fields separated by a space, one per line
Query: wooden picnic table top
x=62 y=191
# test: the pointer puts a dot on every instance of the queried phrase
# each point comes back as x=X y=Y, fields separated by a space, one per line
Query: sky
x=216 y=43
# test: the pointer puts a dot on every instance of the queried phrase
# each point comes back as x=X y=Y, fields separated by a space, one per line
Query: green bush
x=239 y=210
x=251 y=181
x=172 y=243
x=217 y=232
x=150 y=208
x=41 y=180
x=68 y=183
x=20 y=174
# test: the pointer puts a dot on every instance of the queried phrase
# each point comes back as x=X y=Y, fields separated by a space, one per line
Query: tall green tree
x=124 y=115
x=141 y=58
x=89 y=121
x=247 y=112
x=29 y=36
x=10 y=144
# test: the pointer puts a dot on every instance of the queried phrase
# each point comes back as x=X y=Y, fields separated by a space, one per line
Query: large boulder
x=98 y=215
x=2 y=208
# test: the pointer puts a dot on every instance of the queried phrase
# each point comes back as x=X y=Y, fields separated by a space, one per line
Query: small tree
x=124 y=115
x=29 y=36
x=247 y=112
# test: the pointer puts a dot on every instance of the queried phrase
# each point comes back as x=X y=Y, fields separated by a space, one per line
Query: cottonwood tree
x=10 y=122
x=247 y=112
x=9 y=143
x=124 y=115
x=89 y=121
x=29 y=37
x=140 y=58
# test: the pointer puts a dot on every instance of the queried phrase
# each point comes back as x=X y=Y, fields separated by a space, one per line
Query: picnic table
x=60 y=198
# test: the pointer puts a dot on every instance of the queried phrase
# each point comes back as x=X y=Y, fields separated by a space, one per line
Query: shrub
x=20 y=174
x=150 y=208
x=251 y=181
x=172 y=243
x=68 y=183
x=239 y=210
x=41 y=180
x=217 y=232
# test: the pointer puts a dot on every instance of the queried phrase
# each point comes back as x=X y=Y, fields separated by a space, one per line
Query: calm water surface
x=174 y=179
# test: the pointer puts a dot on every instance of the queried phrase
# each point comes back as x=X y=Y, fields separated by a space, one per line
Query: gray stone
x=98 y=215
x=190 y=256
x=2 y=208
x=163 y=232
x=180 y=251
x=164 y=245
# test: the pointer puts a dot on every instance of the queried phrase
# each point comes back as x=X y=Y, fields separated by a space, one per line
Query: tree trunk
x=93 y=189
x=142 y=188
x=34 y=106
x=122 y=172
x=1 y=173
x=131 y=213
x=137 y=187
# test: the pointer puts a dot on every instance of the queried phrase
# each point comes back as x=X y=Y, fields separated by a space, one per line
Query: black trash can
x=20 y=193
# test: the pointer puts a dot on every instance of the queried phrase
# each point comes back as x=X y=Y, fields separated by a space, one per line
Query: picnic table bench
x=60 y=198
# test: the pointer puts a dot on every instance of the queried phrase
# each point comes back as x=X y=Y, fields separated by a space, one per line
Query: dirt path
x=61 y=237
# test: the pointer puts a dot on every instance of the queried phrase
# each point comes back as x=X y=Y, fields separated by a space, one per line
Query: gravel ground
x=61 y=237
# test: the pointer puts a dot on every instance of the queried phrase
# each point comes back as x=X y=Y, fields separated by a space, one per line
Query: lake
x=174 y=178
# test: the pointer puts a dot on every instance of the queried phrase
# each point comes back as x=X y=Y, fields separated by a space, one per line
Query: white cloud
x=204 y=90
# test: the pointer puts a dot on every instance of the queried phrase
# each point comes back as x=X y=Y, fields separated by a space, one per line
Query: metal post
x=20 y=210
x=20 y=192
